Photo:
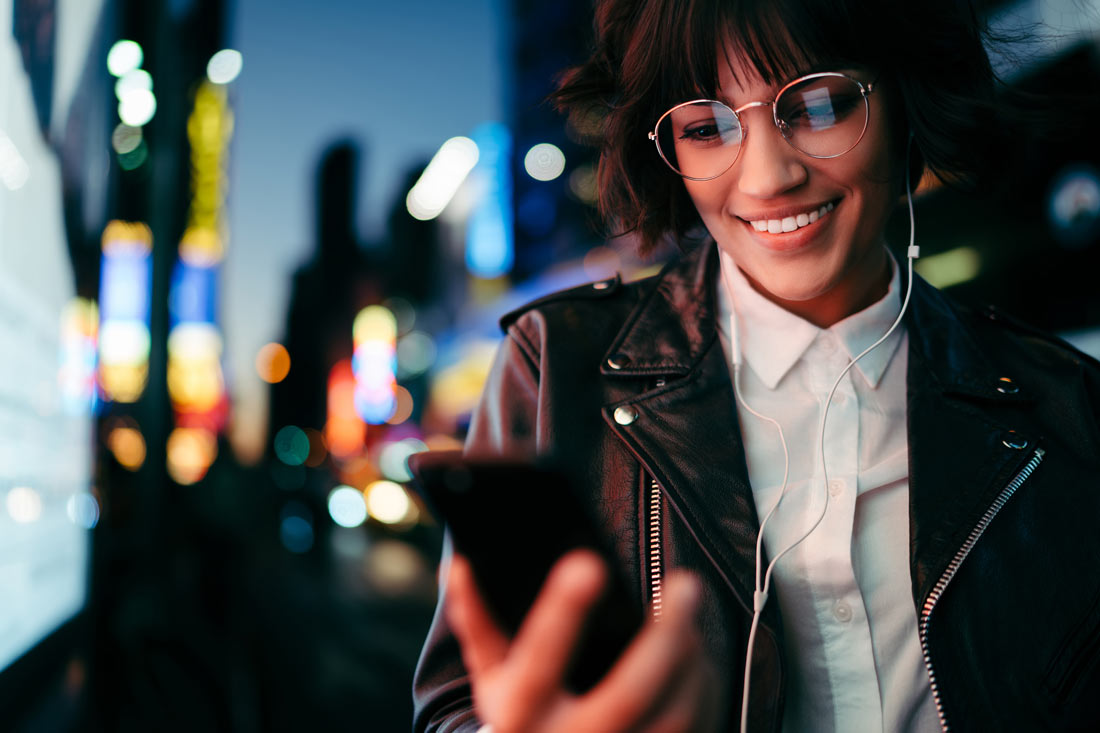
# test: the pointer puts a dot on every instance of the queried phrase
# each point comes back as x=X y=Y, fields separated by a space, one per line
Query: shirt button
x=836 y=486
x=842 y=611
x=828 y=345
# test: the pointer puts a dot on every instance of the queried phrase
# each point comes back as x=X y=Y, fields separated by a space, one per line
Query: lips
x=783 y=222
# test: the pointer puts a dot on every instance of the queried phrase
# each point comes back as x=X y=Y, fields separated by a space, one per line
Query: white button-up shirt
x=844 y=592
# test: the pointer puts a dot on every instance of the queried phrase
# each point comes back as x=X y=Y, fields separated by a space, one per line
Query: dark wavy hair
x=651 y=54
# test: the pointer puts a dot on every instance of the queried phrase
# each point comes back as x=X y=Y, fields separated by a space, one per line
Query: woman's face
x=833 y=266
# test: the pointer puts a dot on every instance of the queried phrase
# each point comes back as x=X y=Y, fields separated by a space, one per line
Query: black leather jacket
x=1004 y=468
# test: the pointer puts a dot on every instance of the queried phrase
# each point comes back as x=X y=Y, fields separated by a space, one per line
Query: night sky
x=398 y=78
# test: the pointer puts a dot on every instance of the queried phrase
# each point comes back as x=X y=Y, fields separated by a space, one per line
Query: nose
x=768 y=166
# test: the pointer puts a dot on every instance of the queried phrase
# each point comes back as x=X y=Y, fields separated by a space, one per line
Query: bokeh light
x=439 y=182
x=416 y=353
x=124 y=56
x=24 y=504
x=583 y=183
x=83 y=510
x=404 y=314
x=135 y=158
x=388 y=503
x=318 y=450
x=224 y=66
x=195 y=380
x=544 y=162
x=345 y=431
x=125 y=139
x=191 y=451
x=393 y=567
x=124 y=290
x=402 y=406
x=137 y=107
x=77 y=367
x=394 y=457
x=296 y=534
x=273 y=363
x=374 y=323
x=291 y=445
x=136 y=80
x=346 y=506
x=374 y=333
x=127 y=445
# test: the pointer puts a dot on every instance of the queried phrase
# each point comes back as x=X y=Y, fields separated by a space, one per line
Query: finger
x=691 y=704
x=550 y=633
x=482 y=642
x=650 y=669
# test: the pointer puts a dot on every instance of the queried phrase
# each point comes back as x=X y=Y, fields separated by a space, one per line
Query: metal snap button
x=601 y=285
x=625 y=414
x=1007 y=386
x=618 y=361
x=843 y=612
x=1014 y=441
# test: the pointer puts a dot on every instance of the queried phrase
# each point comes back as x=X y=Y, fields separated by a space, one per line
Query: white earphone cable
x=760 y=592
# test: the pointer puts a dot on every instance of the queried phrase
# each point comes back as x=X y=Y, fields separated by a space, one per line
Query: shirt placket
x=844 y=627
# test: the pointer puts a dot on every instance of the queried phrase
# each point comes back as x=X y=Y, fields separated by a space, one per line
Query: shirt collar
x=773 y=339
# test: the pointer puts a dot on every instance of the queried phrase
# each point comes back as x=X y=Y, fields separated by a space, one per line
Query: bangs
x=779 y=40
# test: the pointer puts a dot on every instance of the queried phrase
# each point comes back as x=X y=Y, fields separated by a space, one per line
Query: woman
x=934 y=560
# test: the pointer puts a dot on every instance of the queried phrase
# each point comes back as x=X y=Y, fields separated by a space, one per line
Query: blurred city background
x=252 y=257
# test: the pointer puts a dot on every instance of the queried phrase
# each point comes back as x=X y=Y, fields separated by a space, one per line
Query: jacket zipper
x=953 y=567
x=655 y=549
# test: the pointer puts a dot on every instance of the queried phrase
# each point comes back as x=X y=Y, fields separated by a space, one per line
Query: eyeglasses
x=823 y=115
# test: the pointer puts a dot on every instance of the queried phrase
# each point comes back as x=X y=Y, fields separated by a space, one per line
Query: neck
x=866 y=285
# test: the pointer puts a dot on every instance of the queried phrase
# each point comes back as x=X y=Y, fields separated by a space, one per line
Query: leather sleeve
x=504 y=423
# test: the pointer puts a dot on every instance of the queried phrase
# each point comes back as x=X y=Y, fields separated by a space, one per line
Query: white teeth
x=791 y=223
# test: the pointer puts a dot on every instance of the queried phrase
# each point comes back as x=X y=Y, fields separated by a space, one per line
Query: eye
x=700 y=131
x=711 y=132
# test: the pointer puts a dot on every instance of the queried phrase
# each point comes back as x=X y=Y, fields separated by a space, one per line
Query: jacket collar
x=675 y=324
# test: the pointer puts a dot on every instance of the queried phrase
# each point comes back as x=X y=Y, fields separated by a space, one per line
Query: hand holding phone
x=514 y=520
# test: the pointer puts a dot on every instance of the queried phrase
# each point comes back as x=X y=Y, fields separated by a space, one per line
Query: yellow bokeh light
x=123 y=382
x=201 y=246
x=374 y=323
x=128 y=447
x=273 y=363
x=388 y=503
x=190 y=451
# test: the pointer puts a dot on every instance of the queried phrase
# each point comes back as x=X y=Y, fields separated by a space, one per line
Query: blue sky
x=400 y=78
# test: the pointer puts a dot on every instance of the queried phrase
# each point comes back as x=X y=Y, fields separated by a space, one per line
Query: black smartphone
x=513 y=521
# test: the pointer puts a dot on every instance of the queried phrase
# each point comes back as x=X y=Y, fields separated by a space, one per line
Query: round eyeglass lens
x=699 y=139
x=823 y=116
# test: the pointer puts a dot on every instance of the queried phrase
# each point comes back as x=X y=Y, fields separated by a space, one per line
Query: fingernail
x=686 y=591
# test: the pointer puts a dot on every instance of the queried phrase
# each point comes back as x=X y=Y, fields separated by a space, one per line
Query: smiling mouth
x=792 y=223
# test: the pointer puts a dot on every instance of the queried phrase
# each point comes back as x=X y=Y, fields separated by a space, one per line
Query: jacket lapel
x=964 y=446
x=685 y=431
